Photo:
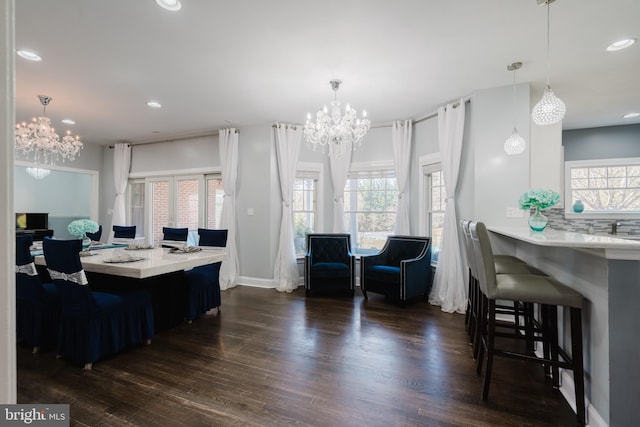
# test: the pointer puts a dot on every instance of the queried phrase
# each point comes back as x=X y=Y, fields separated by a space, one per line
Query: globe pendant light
x=515 y=144
x=550 y=109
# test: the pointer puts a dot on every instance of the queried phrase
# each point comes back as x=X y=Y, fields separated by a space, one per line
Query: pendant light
x=515 y=144
x=550 y=109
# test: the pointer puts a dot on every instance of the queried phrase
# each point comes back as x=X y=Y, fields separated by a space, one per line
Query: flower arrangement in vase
x=538 y=199
x=80 y=228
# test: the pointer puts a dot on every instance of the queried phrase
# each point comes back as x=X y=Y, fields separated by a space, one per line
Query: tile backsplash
x=557 y=221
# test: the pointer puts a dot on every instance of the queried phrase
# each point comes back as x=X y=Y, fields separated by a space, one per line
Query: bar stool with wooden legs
x=534 y=289
x=504 y=264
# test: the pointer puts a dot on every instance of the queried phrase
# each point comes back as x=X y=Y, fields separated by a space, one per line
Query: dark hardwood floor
x=273 y=359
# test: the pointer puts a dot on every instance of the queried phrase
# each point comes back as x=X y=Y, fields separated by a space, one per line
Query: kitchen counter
x=606 y=270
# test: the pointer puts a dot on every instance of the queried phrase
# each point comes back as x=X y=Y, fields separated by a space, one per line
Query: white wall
x=499 y=179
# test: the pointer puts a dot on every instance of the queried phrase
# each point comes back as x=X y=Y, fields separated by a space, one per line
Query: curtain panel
x=121 y=166
x=449 y=290
x=287 y=142
x=228 y=146
x=339 y=173
x=401 y=141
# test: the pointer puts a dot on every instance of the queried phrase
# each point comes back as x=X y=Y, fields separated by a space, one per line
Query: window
x=370 y=204
x=433 y=200
x=605 y=187
x=174 y=201
x=304 y=209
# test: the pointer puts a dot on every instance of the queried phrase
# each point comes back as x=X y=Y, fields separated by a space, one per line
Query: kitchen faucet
x=614 y=226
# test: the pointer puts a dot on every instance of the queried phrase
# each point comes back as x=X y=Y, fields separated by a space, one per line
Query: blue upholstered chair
x=93 y=325
x=37 y=303
x=329 y=265
x=95 y=237
x=124 y=233
x=401 y=270
x=204 y=281
x=171 y=234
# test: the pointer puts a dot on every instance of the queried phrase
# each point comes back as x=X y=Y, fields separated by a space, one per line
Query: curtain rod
x=293 y=126
x=178 y=138
x=423 y=118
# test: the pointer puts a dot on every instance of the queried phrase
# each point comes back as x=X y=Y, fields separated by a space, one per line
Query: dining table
x=158 y=270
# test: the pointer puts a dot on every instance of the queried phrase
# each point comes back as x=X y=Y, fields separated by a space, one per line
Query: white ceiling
x=217 y=64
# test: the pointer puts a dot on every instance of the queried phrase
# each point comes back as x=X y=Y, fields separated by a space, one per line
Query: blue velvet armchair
x=329 y=266
x=401 y=270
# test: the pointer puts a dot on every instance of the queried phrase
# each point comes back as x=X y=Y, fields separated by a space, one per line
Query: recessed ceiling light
x=68 y=122
x=621 y=44
x=631 y=115
x=27 y=54
x=154 y=104
x=172 y=5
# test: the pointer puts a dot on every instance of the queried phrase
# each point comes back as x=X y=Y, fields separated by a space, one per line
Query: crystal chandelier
x=549 y=109
x=333 y=131
x=39 y=138
x=515 y=144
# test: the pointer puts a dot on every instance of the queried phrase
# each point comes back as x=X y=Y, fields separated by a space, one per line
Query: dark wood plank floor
x=273 y=359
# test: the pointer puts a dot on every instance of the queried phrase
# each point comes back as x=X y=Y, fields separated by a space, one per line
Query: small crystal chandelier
x=549 y=109
x=515 y=144
x=333 y=131
x=39 y=138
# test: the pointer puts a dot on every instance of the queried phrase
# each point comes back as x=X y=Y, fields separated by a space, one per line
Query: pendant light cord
x=548 y=42
x=514 y=98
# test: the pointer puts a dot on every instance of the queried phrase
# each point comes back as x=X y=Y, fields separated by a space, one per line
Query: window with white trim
x=305 y=192
x=189 y=201
x=606 y=187
x=370 y=205
x=435 y=202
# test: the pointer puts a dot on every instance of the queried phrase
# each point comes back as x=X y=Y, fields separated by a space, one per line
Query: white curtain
x=339 y=173
x=287 y=141
x=121 y=166
x=449 y=290
x=401 y=139
x=228 y=143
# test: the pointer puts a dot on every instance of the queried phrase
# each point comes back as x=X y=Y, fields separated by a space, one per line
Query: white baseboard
x=256 y=282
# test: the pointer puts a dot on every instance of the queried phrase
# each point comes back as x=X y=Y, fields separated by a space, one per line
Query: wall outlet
x=250 y=211
x=514 y=212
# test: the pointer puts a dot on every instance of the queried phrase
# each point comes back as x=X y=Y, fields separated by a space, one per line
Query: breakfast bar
x=606 y=270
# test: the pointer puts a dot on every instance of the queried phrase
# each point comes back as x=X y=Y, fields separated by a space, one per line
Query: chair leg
x=467 y=314
x=547 y=339
x=481 y=327
x=554 y=343
x=578 y=367
x=36 y=349
x=491 y=328
x=364 y=293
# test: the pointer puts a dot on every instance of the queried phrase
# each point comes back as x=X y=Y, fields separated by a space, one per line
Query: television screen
x=37 y=221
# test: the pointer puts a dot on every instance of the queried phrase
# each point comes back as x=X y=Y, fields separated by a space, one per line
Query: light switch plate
x=514 y=212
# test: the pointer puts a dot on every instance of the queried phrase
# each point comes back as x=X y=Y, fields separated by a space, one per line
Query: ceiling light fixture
x=631 y=115
x=515 y=144
x=154 y=104
x=333 y=131
x=621 y=44
x=39 y=138
x=68 y=121
x=27 y=54
x=550 y=109
x=171 y=5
